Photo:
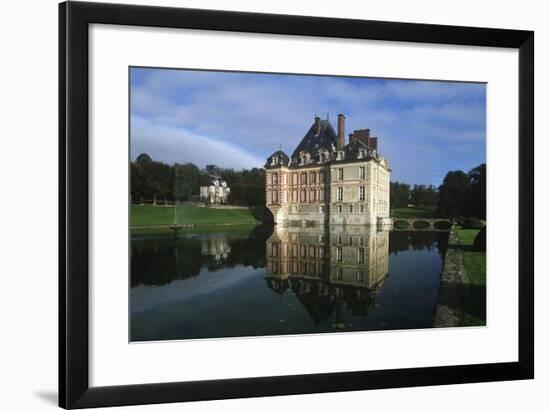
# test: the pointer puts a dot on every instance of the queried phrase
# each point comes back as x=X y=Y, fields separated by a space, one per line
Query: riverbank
x=154 y=216
x=462 y=292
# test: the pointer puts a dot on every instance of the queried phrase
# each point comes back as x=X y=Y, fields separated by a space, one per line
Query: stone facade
x=326 y=181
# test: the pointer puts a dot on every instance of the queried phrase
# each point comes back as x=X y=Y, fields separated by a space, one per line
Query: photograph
x=269 y=204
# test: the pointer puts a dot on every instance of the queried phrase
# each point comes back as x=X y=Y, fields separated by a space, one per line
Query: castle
x=327 y=181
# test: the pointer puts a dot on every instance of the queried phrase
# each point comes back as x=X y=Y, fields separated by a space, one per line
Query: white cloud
x=171 y=144
x=248 y=116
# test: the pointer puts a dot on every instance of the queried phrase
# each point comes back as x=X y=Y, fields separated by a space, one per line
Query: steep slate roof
x=351 y=151
x=209 y=180
x=283 y=159
x=311 y=143
x=326 y=139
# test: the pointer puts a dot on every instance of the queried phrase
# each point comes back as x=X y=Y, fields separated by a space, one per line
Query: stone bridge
x=422 y=224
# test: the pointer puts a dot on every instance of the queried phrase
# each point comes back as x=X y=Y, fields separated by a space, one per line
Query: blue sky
x=236 y=120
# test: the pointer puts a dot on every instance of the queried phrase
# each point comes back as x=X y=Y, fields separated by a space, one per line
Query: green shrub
x=460 y=219
x=480 y=242
x=472 y=223
x=443 y=225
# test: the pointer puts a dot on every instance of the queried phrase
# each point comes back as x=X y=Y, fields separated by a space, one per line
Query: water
x=252 y=281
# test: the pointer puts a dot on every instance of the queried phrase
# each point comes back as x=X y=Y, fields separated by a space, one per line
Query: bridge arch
x=418 y=224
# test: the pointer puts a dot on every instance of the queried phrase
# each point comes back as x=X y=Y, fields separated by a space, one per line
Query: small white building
x=216 y=192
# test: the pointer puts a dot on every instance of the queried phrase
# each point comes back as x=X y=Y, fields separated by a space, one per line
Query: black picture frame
x=74 y=388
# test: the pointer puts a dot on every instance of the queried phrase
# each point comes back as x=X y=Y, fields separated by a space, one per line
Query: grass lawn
x=164 y=215
x=413 y=213
x=474 y=262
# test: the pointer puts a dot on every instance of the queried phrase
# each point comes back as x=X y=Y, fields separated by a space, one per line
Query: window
x=340 y=194
x=274 y=179
x=312 y=195
x=304 y=178
x=274 y=197
x=350 y=240
x=339 y=209
x=321 y=195
x=322 y=209
x=338 y=254
x=303 y=195
x=339 y=273
x=362 y=172
x=339 y=240
x=361 y=193
x=360 y=276
x=361 y=255
x=340 y=174
x=351 y=209
x=313 y=177
x=362 y=208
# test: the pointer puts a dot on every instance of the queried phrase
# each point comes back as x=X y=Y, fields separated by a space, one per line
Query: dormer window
x=274 y=160
x=340 y=155
x=323 y=156
x=362 y=153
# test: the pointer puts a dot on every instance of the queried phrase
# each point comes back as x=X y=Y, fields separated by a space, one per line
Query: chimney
x=362 y=135
x=341 y=131
x=317 y=125
x=373 y=143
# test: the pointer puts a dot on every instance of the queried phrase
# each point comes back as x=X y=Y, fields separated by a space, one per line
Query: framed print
x=256 y=204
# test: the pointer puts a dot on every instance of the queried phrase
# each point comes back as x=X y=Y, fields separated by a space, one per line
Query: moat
x=263 y=280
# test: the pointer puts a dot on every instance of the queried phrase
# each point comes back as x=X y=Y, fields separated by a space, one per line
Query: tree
x=143 y=159
x=247 y=187
x=399 y=194
x=423 y=196
x=150 y=179
x=478 y=194
x=213 y=170
x=453 y=194
x=187 y=179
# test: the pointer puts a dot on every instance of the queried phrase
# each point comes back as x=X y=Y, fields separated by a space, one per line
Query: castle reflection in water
x=329 y=268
